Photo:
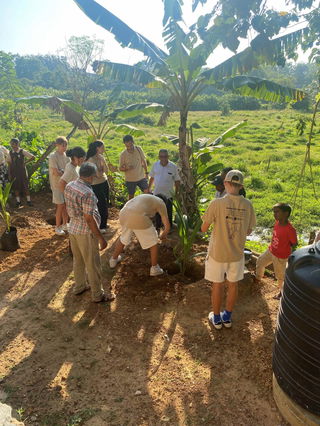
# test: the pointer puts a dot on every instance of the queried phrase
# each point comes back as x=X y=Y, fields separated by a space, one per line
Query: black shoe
x=18 y=204
x=30 y=204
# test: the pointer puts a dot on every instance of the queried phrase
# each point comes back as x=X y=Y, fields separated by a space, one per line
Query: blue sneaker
x=217 y=324
x=226 y=322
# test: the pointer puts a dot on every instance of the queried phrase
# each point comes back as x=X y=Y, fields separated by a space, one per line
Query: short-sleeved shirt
x=135 y=159
x=232 y=216
x=102 y=168
x=137 y=213
x=4 y=155
x=71 y=173
x=164 y=178
x=57 y=161
x=21 y=151
x=80 y=200
x=283 y=238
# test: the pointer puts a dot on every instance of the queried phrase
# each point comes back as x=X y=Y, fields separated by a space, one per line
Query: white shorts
x=146 y=237
x=57 y=197
x=218 y=272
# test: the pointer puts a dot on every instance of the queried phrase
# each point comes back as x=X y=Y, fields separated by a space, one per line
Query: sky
x=44 y=26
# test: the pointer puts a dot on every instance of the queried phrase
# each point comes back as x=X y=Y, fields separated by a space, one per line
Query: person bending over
x=135 y=218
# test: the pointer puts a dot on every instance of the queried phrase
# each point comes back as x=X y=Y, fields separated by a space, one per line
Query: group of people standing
x=80 y=191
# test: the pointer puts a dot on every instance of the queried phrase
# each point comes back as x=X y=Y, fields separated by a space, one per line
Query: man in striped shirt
x=85 y=236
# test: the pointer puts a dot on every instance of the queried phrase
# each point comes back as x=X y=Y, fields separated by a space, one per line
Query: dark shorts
x=132 y=186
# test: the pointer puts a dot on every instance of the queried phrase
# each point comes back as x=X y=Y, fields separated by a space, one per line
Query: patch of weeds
x=277 y=187
x=256 y=183
x=20 y=412
x=10 y=389
x=52 y=419
x=82 y=416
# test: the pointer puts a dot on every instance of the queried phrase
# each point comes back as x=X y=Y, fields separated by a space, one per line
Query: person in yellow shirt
x=134 y=165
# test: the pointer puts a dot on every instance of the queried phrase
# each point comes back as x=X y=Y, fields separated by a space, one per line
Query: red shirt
x=283 y=237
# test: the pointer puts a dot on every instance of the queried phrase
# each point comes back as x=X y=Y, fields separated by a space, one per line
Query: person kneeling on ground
x=84 y=233
x=233 y=218
x=135 y=218
x=284 y=239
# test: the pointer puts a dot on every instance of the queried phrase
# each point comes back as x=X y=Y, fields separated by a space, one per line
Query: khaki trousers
x=279 y=266
x=86 y=259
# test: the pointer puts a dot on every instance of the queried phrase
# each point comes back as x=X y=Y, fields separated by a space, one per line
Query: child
x=77 y=156
x=233 y=218
x=284 y=239
x=57 y=163
x=18 y=172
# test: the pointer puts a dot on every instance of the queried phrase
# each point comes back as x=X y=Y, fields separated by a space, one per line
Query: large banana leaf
x=124 y=73
x=124 y=35
x=172 y=11
x=260 y=88
x=136 y=109
x=73 y=112
x=126 y=128
x=261 y=52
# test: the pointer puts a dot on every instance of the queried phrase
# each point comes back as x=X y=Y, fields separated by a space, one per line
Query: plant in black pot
x=9 y=239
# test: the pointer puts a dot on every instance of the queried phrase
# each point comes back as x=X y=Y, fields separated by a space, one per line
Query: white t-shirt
x=164 y=178
x=71 y=173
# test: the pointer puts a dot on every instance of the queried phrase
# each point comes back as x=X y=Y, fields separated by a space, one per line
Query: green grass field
x=268 y=151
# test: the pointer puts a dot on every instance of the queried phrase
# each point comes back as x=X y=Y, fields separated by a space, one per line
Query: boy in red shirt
x=284 y=239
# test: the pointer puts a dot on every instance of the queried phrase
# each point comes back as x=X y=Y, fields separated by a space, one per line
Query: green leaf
x=260 y=88
x=136 y=109
x=229 y=133
x=124 y=35
x=126 y=128
x=124 y=73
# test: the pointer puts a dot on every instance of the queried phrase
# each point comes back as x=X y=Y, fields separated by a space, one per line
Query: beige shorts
x=57 y=197
x=146 y=237
x=218 y=272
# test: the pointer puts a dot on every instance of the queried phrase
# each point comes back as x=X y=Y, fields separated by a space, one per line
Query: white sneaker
x=103 y=231
x=114 y=262
x=64 y=227
x=217 y=325
x=155 y=270
x=59 y=231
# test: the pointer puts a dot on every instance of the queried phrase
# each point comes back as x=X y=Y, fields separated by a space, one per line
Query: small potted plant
x=9 y=239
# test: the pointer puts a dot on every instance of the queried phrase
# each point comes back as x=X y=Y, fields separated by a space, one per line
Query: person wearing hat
x=233 y=218
x=220 y=189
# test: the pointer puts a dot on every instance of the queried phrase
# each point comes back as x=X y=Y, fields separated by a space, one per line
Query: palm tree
x=181 y=71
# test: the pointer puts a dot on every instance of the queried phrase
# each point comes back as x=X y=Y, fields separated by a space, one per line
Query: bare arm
x=56 y=172
x=151 y=183
x=205 y=226
x=62 y=185
x=249 y=231
x=166 y=223
x=177 y=186
x=95 y=230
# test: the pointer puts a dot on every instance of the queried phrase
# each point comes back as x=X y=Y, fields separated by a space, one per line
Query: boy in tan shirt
x=233 y=218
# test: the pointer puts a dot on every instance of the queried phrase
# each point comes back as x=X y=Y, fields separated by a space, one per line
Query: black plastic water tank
x=296 y=353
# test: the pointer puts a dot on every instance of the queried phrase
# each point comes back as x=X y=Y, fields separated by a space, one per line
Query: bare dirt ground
x=148 y=358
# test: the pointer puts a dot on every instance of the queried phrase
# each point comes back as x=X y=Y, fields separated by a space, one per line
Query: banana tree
x=182 y=70
x=97 y=127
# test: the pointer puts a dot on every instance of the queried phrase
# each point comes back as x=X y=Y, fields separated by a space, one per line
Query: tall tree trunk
x=188 y=192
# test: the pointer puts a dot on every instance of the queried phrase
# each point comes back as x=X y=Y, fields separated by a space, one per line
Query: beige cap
x=234 y=176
